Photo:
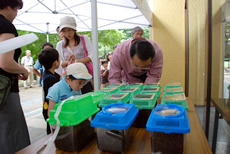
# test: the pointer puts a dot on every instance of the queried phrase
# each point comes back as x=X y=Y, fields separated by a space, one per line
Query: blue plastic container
x=115 y=116
x=112 y=125
x=168 y=125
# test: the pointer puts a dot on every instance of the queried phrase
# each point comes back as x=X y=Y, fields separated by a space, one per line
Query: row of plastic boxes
x=167 y=125
x=112 y=123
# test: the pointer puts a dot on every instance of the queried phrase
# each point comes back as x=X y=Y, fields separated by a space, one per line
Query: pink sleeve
x=115 y=69
x=154 y=74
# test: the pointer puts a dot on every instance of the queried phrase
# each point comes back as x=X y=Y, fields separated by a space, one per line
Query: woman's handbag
x=5 y=86
x=89 y=65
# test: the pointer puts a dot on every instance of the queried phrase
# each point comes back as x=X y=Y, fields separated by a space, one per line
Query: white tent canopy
x=91 y=15
x=44 y=15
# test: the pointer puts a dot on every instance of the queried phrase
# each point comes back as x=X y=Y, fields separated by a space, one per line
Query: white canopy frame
x=91 y=15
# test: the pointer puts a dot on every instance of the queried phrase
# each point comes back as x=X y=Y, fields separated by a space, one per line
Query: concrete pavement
x=31 y=101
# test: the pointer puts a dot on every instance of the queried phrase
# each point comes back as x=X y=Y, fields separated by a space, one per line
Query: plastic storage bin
x=144 y=101
x=173 y=90
x=168 y=125
x=153 y=84
x=151 y=89
x=75 y=138
x=135 y=85
x=178 y=99
x=112 y=126
x=115 y=98
x=74 y=111
x=117 y=85
x=108 y=91
x=75 y=131
x=131 y=90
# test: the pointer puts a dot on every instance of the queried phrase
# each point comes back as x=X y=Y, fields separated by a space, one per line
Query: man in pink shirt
x=136 y=61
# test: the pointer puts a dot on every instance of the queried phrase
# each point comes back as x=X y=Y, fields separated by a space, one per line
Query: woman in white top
x=71 y=48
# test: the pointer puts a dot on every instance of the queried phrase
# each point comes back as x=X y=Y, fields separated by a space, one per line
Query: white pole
x=47 y=32
x=95 y=45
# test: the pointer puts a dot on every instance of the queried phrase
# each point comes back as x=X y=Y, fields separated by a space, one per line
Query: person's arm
x=154 y=74
x=104 y=73
x=23 y=61
x=115 y=69
x=36 y=67
x=51 y=106
x=7 y=62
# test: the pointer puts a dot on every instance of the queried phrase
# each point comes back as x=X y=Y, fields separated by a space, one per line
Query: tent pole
x=47 y=37
x=47 y=32
x=95 y=45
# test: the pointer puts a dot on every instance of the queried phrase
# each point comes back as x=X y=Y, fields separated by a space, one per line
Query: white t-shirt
x=27 y=61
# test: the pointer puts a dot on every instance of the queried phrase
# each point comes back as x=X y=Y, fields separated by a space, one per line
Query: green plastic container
x=109 y=91
x=151 y=89
x=131 y=90
x=153 y=84
x=144 y=101
x=96 y=96
x=178 y=99
x=117 y=85
x=135 y=85
x=115 y=98
x=173 y=90
x=74 y=111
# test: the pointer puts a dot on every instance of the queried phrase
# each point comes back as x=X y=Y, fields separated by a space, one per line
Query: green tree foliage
x=107 y=39
x=36 y=46
x=128 y=33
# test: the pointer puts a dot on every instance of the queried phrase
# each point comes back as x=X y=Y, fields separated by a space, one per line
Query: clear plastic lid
x=177 y=89
x=175 y=97
x=168 y=111
x=117 y=109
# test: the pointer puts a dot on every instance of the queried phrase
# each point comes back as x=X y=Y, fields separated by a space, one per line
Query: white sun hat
x=67 y=22
x=78 y=71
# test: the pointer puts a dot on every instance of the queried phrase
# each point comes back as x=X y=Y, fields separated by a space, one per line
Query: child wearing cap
x=76 y=77
x=49 y=58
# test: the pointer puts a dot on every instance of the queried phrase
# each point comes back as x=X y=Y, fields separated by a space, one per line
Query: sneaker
x=32 y=87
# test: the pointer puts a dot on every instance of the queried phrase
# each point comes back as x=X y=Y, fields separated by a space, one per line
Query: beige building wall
x=198 y=51
x=169 y=32
x=217 y=50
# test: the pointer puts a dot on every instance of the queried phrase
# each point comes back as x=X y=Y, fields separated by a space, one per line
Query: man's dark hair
x=144 y=50
x=11 y=3
x=47 y=43
x=47 y=57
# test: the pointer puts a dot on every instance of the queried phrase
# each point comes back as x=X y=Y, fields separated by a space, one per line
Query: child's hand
x=72 y=57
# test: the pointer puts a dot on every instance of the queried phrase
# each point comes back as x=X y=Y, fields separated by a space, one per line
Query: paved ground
x=31 y=100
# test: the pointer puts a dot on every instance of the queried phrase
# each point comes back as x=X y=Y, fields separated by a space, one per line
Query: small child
x=49 y=58
x=76 y=77
x=104 y=74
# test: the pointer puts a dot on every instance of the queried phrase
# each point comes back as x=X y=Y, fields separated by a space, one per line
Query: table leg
x=215 y=130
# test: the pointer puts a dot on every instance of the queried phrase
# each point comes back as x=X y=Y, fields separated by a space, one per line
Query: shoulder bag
x=89 y=65
x=5 y=86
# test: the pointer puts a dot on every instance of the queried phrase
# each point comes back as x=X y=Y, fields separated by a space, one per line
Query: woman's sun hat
x=67 y=22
